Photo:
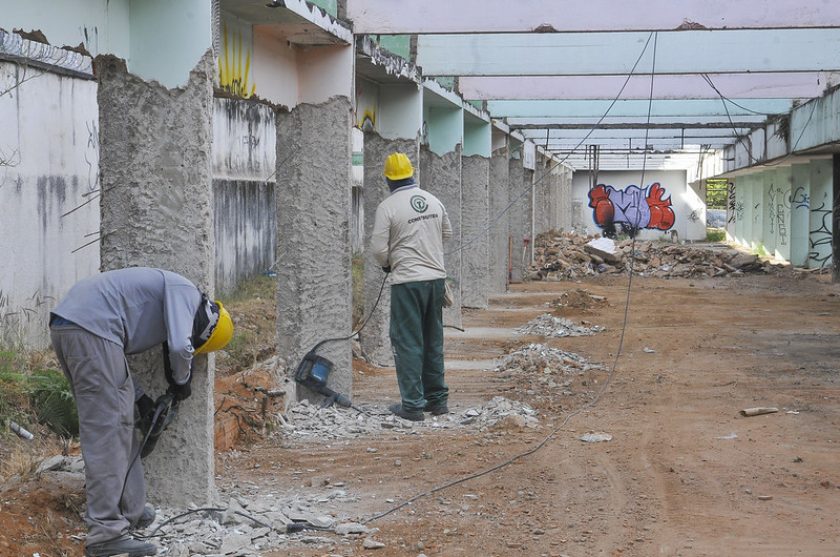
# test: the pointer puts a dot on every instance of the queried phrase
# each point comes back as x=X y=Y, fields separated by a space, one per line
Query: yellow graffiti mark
x=232 y=78
x=368 y=122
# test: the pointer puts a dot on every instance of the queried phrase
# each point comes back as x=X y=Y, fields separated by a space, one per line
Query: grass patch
x=715 y=235
x=254 y=311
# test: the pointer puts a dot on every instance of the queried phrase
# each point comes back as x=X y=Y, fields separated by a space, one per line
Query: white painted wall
x=101 y=25
x=50 y=145
x=689 y=208
x=275 y=66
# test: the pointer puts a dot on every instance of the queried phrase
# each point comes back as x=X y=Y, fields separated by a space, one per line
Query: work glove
x=387 y=269
x=180 y=392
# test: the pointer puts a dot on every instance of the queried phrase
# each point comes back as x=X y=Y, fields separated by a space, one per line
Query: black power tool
x=312 y=372
x=154 y=423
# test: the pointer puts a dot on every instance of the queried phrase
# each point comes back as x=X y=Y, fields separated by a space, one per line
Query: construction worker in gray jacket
x=99 y=321
x=407 y=241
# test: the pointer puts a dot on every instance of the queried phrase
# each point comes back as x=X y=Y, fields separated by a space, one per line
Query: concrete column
x=783 y=209
x=519 y=194
x=768 y=207
x=799 y=205
x=542 y=196
x=563 y=193
x=756 y=185
x=499 y=227
x=475 y=174
x=475 y=177
x=157 y=210
x=822 y=199
x=376 y=343
x=441 y=175
x=314 y=203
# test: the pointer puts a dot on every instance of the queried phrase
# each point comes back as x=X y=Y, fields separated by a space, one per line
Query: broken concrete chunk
x=347 y=528
x=758 y=411
x=371 y=543
x=599 y=437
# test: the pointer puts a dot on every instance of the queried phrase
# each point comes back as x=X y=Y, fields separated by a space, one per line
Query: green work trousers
x=417 y=339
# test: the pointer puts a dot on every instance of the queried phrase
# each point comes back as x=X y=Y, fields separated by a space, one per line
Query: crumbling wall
x=244 y=134
x=499 y=221
x=475 y=285
x=376 y=344
x=49 y=178
x=441 y=175
x=542 y=196
x=157 y=210
x=313 y=235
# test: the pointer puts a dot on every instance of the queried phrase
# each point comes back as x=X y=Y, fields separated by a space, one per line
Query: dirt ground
x=684 y=473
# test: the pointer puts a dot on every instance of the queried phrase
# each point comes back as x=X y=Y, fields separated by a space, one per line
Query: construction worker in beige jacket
x=407 y=241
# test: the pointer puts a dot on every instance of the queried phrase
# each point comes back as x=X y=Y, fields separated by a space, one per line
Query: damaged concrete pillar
x=475 y=282
x=475 y=210
x=520 y=195
x=441 y=175
x=376 y=344
x=313 y=193
x=542 y=195
x=499 y=227
x=157 y=211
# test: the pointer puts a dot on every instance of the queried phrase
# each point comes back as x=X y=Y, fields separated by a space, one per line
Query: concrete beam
x=304 y=22
x=791 y=50
x=618 y=123
x=688 y=134
x=701 y=108
x=803 y=85
x=443 y=120
x=548 y=16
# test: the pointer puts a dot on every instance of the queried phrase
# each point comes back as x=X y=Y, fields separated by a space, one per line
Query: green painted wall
x=330 y=6
x=397 y=44
x=786 y=213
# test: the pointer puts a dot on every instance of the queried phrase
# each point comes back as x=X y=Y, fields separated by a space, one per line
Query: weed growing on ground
x=715 y=235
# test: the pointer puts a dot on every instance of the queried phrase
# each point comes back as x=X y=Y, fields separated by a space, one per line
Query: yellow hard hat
x=220 y=335
x=398 y=167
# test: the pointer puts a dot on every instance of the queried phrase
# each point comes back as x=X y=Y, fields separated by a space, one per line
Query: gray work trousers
x=104 y=393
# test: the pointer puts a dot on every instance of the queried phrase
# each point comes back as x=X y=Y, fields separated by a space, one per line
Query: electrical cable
x=585 y=407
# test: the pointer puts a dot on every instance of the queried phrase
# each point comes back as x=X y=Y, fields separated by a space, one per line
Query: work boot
x=413 y=415
x=124 y=545
x=437 y=409
x=145 y=519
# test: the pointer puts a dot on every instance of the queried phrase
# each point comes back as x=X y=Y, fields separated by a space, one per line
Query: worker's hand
x=145 y=409
x=181 y=392
x=387 y=269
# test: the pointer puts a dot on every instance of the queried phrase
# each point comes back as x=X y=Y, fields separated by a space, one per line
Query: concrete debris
x=568 y=256
x=547 y=325
x=595 y=437
x=579 y=298
x=309 y=422
x=249 y=532
x=58 y=463
x=538 y=358
x=758 y=411
x=371 y=543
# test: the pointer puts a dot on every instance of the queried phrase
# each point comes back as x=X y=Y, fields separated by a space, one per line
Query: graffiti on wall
x=821 y=236
x=799 y=198
x=732 y=205
x=631 y=209
x=235 y=64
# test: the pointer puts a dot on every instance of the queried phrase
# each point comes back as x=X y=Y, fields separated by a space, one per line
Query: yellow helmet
x=221 y=334
x=398 y=167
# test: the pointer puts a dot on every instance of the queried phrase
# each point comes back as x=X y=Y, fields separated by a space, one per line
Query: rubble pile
x=579 y=298
x=565 y=256
x=309 y=421
x=547 y=325
x=541 y=359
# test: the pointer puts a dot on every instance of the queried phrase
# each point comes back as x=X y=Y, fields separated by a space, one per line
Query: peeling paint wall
x=475 y=285
x=49 y=166
x=441 y=175
x=244 y=136
x=157 y=210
